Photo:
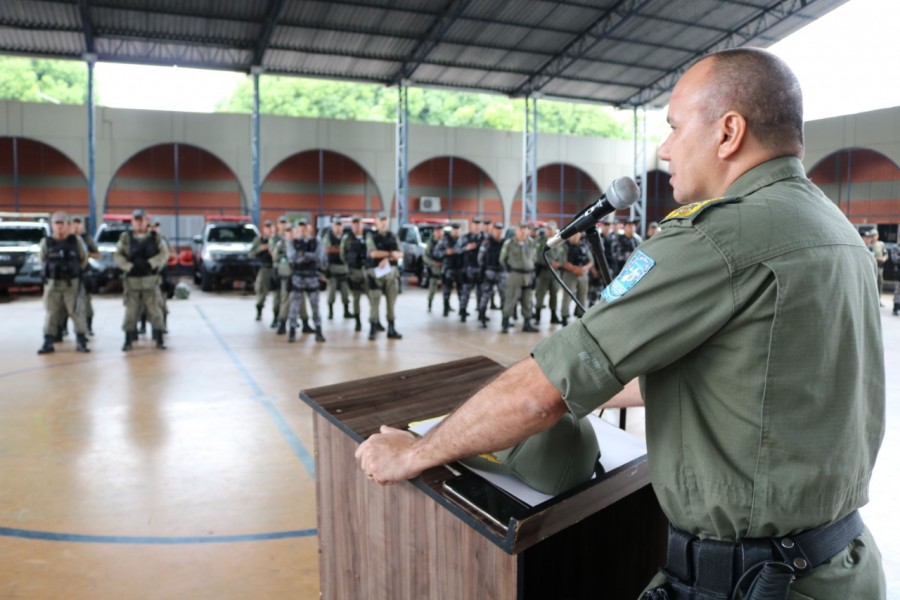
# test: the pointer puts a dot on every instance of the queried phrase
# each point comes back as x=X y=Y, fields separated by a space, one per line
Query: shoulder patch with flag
x=635 y=269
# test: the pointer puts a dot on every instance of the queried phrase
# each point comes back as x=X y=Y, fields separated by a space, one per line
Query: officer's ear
x=732 y=132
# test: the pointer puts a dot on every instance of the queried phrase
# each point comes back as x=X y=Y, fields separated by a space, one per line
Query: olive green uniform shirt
x=753 y=323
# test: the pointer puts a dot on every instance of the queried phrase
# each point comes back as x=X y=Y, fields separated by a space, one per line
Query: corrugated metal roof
x=619 y=52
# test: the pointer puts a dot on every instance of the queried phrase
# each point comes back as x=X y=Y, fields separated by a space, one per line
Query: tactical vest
x=492 y=254
x=578 y=254
x=451 y=261
x=470 y=257
x=264 y=257
x=355 y=252
x=62 y=258
x=383 y=241
x=334 y=241
x=142 y=250
x=303 y=266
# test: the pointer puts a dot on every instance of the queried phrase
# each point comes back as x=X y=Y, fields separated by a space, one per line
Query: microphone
x=622 y=193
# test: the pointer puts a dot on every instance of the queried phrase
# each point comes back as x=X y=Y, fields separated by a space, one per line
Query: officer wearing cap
x=64 y=257
x=353 y=253
x=761 y=435
x=141 y=253
x=517 y=258
x=259 y=250
x=626 y=243
x=383 y=252
x=447 y=254
x=432 y=263
x=302 y=253
x=575 y=272
x=467 y=247
x=494 y=275
x=545 y=282
x=336 y=268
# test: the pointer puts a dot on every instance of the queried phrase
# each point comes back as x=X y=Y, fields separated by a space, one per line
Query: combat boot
x=528 y=327
x=81 y=343
x=358 y=323
x=896 y=309
x=446 y=307
x=292 y=334
x=281 y=327
x=143 y=327
x=158 y=336
x=274 y=324
x=462 y=315
x=127 y=345
x=379 y=326
x=373 y=331
x=330 y=312
x=306 y=328
x=564 y=321
x=482 y=317
x=429 y=304
x=259 y=312
x=554 y=320
x=393 y=334
x=47 y=348
x=90 y=326
x=505 y=325
x=319 y=336
x=537 y=316
x=347 y=313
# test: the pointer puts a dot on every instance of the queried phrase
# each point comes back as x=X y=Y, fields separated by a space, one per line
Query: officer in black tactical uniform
x=353 y=253
x=303 y=255
x=468 y=246
x=493 y=273
x=451 y=265
x=626 y=243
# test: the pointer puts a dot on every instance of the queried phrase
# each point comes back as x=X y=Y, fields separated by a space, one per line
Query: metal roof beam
x=276 y=9
x=611 y=20
x=86 y=26
x=752 y=28
x=432 y=38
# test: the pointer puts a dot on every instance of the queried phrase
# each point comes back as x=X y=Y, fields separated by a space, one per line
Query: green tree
x=43 y=80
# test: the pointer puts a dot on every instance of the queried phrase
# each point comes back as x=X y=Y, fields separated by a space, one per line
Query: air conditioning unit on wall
x=430 y=204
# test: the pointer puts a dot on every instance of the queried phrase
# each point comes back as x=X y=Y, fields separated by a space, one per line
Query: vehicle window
x=109 y=236
x=232 y=234
x=21 y=236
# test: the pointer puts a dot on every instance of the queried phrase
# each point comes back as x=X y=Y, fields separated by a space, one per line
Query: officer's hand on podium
x=387 y=457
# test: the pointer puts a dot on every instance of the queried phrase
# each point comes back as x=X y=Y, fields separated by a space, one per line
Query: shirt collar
x=766 y=174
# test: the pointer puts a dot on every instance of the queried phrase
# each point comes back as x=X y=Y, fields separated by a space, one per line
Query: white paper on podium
x=382 y=271
x=616 y=449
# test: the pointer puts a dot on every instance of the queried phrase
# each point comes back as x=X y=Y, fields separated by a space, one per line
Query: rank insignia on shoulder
x=688 y=211
x=635 y=269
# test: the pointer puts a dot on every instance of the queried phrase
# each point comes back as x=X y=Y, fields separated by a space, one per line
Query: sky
x=844 y=62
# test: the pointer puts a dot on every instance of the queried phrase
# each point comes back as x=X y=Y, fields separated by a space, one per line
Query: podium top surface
x=359 y=408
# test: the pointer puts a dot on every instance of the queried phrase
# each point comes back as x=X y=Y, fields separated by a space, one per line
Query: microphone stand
x=593 y=237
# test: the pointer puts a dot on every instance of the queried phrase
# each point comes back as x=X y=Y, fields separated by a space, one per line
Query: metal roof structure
x=625 y=53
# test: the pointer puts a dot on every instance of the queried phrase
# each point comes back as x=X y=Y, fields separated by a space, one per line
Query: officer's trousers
x=389 y=287
x=142 y=296
x=579 y=285
x=493 y=278
x=518 y=286
x=262 y=285
x=338 y=279
x=545 y=282
x=63 y=297
x=359 y=286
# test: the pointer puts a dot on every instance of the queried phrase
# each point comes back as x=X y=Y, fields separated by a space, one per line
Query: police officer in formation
x=64 y=256
x=383 y=252
x=337 y=270
x=576 y=269
x=545 y=281
x=626 y=242
x=493 y=273
x=517 y=257
x=166 y=285
x=93 y=252
x=353 y=254
x=141 y=253
x=259 y=250
x=470 y=274
x=302 y=253
x=432 y=264
x=276 y=245
x=448 y=255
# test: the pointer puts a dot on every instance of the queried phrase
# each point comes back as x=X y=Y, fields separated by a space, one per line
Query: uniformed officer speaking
x=752 y=321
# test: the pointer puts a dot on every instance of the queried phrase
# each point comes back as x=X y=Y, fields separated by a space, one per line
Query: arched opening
x=35 y=177
x=453 y=188
x=562 y=191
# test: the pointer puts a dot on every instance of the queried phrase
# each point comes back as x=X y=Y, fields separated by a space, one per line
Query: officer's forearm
x=517 y=404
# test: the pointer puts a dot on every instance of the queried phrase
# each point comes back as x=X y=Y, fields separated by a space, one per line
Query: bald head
x=761 y=87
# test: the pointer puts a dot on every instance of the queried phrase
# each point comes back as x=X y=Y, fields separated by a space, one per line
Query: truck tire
x=207 y=283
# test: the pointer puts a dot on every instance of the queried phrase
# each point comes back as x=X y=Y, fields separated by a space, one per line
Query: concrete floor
x=188 y=473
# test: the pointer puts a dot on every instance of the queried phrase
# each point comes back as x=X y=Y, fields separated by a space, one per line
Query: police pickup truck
x=222 y=252
x=104 y=271
x=20 y=238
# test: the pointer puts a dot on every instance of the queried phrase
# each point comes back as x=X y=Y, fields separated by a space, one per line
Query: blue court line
x=292 y=439
x=124 y=539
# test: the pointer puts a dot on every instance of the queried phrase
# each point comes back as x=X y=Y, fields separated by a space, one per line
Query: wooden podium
x=604 y=539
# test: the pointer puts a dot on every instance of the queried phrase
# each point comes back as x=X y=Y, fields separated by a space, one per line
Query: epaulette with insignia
x=690 y=211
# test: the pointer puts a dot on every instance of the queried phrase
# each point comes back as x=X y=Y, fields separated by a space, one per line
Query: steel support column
x=639 y=208
x=529 y=167
x=402 y=151
x=92 y=220
x=255 y=201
